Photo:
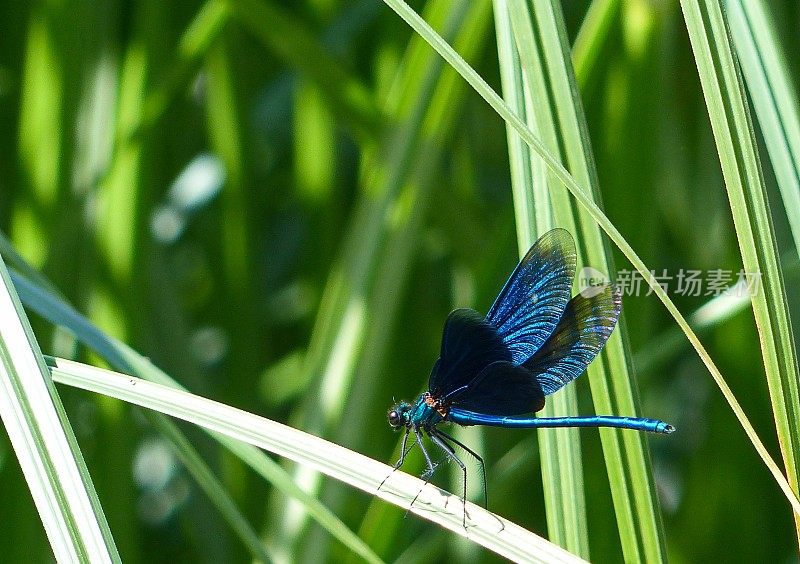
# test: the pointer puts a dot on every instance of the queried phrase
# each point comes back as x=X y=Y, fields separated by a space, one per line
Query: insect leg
x=431 y=466
x=404 y=450
x=439 y=440
x=476 y=457
x=426 y=476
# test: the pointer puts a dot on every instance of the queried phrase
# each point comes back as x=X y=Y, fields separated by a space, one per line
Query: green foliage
x=277 y=203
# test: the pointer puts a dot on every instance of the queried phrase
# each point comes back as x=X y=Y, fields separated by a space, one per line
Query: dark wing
x=502 y=388
x=581 y=334
x=530 y=304
x=469 y=344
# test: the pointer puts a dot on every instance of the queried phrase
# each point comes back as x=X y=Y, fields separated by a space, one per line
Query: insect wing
x=530 y=305
x=581 y=333
x=469 y=344
x=502 y=388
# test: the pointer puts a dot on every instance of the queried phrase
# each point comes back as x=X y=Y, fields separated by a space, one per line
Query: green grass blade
x=38 y=158
x=492 y=98
x=546 y=61
x=119 y=355
x=592 y=36
x=562 y=466
x=493 y=532
x=44 y=443
x=532 y=207
x=121 y=194
x=228 y=141
x=774 y=98
x=730 y=121
x=197 y=40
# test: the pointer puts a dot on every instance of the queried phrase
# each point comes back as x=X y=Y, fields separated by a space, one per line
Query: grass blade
x=592 y=35
x=510 y=541
x=45 y=444
x=774 y=98
x=730 y=121
x=353 y=326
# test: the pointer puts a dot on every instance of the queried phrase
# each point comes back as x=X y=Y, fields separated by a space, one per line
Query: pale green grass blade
x=44 y=443
x=562 y=467
x=119 y=355
x=774 y=98
x=733 y=133
x=493 y=532
x=545 y=56
x=480 y=85
x=591 y=37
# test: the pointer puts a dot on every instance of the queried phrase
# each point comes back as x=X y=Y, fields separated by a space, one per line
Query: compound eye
x=395 y=418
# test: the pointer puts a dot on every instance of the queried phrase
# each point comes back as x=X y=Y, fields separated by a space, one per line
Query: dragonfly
x=497 y=370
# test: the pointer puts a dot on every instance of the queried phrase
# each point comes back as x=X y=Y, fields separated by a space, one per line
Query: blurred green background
x=280 y=202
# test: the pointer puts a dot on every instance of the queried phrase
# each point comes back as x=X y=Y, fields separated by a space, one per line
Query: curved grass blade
x=733 y=133
x=44 y=443
x=493 y=532
x=492 y=98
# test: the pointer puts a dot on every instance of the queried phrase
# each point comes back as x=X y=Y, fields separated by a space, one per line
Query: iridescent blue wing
x=502 y=388
x=530 y=305
x=581 y=334
x=469 y=344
